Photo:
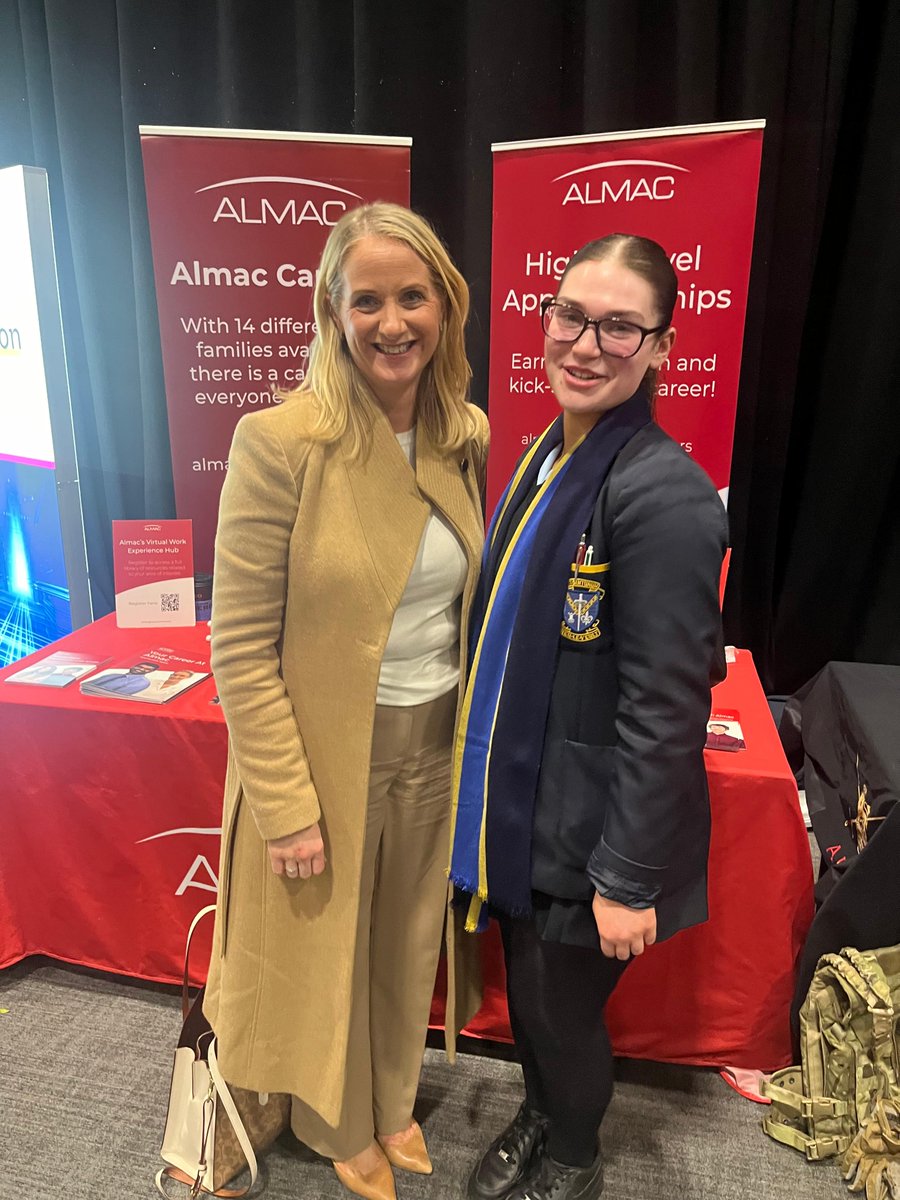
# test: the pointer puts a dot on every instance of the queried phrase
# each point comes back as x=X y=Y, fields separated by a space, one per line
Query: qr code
x=170 y=602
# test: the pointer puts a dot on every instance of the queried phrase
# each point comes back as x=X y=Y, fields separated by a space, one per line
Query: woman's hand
x=298 y=854
x=623 y=931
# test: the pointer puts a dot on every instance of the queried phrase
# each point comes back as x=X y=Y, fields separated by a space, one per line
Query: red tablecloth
x=109 y=838
x=110 y=814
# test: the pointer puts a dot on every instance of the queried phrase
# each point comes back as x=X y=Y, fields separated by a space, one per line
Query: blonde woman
x=347 y=556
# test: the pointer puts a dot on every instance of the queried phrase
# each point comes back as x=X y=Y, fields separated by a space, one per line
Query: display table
x=109 y=840
x=110 y=813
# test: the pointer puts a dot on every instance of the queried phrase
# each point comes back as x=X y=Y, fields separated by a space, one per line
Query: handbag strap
x=185 y=997
x=180 y=1177
x=233 y=1116
x=223 y=1094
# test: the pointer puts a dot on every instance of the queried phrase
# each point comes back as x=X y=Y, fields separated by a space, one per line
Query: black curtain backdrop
x=816 y=479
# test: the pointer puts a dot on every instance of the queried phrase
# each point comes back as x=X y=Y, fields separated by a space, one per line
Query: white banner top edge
x=630 y=134
x=360 y=139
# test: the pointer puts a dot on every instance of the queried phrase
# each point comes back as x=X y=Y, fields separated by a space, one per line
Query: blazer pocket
x=586 y=777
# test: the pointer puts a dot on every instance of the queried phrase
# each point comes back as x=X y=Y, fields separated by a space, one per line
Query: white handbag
x=211 y=1128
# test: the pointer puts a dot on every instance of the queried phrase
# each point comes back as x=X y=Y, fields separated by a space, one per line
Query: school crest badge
x=581 y=612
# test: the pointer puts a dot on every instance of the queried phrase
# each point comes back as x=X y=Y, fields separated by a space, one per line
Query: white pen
x=589 y=557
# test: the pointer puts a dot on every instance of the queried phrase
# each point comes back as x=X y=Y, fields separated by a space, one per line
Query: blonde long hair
x=341 y=403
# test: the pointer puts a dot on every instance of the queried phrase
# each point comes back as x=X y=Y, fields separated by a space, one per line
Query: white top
x=421 y=658
x=548 y=463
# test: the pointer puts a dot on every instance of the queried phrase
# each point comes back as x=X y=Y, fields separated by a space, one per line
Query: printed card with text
x=723 y=731
x=154 y=573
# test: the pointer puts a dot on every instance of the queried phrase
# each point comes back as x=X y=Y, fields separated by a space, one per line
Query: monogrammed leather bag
x=213 y=1131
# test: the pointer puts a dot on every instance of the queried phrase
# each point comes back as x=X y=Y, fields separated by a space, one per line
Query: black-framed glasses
x=621 y=339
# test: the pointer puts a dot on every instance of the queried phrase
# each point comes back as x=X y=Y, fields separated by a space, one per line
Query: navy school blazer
x=622 y=803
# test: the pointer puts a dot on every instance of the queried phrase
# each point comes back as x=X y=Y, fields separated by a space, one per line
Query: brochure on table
x=154 y=573
x=154 y=677
x=723 y=731
x=57 y=670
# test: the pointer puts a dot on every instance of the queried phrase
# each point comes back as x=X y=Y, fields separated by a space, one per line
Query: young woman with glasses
x=582 y=812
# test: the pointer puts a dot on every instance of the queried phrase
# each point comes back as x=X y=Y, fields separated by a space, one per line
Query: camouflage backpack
x=844 y=1098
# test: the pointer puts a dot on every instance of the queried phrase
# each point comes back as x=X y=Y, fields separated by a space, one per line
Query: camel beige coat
x=312 y=557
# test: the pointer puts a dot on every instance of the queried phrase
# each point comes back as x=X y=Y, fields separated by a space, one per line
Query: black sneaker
x=554 y=1181
x=509 y=1158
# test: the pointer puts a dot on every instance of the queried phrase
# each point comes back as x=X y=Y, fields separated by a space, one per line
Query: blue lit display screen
x=34 y=598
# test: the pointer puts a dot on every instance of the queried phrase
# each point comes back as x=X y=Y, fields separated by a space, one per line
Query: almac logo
x=655 y=183
x=200 y=873
x=249 y=208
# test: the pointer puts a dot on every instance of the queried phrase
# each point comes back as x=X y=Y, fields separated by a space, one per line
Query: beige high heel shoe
x=377 y=1184
x=411 y=1154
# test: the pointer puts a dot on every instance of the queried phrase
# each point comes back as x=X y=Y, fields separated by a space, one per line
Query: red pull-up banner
x=693 y=190
x=238 y=220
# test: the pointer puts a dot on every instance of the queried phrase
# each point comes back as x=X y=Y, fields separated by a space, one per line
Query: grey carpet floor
x=84 y=1075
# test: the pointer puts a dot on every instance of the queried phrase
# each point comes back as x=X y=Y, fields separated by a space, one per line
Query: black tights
x=557 y=994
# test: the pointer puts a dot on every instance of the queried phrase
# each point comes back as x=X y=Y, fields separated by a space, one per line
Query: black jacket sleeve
x=667 y=538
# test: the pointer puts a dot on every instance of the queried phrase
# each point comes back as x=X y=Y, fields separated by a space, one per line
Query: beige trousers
x=402 y=900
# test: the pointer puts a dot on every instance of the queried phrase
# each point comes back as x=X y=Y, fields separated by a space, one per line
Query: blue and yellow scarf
x=515 y=637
